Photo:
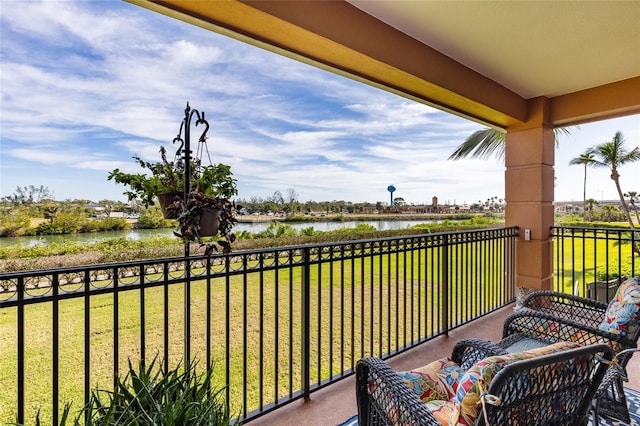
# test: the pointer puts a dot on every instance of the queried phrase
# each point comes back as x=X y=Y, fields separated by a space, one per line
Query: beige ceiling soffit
x=598 y=103
x=339 y=37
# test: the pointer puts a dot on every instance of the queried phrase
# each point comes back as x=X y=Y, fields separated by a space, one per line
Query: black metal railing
x=277 y=323
x=592 y=262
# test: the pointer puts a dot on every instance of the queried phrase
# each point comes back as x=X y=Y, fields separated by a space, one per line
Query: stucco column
x=529 y=182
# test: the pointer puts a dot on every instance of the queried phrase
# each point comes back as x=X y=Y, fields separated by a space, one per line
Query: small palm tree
x=588 y=206
x=613 y=155
x=632 y=200
x=609 y=211
x=487 y=143
x=585 y=158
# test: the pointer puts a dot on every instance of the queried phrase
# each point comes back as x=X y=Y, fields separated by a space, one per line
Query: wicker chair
x=552 y=389
x=549 y=316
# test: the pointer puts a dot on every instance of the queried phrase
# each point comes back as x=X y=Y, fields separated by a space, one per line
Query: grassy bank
x=277 y=235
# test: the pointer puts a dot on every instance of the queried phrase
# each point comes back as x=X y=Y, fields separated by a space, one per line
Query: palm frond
x=585 y=158
x=481 y=144
x=489 y=142
x=613 y=154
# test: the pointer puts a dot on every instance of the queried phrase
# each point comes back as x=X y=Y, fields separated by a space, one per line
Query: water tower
x=391 y=190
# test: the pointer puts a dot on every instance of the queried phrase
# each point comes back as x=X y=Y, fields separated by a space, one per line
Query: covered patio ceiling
x=483 y=60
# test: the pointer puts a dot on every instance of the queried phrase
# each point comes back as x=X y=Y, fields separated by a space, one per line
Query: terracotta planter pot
x=166 y=199
x=209 y=222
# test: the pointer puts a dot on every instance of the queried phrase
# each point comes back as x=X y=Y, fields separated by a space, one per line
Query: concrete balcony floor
x=336 y=403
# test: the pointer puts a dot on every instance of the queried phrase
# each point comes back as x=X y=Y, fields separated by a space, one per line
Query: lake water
x=168 y=232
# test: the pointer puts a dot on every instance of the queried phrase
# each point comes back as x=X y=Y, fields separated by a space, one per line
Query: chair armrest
x=469 y=351
x=542 y=325
x=384 y=399
x=617 y=370
x=564 y=305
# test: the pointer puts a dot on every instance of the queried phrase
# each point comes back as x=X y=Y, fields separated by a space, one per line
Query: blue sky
x=88 y=84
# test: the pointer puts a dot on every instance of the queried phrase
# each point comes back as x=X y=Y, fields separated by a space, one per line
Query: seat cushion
x=623 y=313
x=452 y=394
x=442 y=410
x=437 y=380
x=478 y=379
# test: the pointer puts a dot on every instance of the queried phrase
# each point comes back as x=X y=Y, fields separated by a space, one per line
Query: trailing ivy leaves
x=190 y=214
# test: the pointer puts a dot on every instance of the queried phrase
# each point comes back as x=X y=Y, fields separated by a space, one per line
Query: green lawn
x=585 y=261
x=396 y=299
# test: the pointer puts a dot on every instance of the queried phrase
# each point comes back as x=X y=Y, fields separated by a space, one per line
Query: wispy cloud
x=88 y=84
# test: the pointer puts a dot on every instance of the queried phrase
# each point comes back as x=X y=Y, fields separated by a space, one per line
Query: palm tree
x=609 y=211
x=589 y=206
x=585 y=158
x=487 y=143
x=632 y=200
x=613 y=155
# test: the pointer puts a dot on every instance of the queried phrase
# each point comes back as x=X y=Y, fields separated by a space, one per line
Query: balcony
x=337 y=403
x=284 y=327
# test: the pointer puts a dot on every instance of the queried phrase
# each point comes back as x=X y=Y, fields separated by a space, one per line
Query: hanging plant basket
x=167 y=199
x=205 y=211
x=209 y=221
x=203 y=216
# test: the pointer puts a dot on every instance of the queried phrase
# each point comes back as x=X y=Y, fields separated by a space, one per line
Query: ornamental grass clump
x=149 y=396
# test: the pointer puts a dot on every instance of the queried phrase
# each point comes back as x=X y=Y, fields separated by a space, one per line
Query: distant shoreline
x=356 y=217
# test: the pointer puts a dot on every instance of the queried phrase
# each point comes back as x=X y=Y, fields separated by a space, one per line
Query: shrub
x=308 y=232
x=298 y=218
x=625 y=271
x=245 y=235
x=113 y=224
x=15 y=222
x=359 y=228
x=89 y=226
x=277 y=230
x=152 y=218
x=365 y=227
x=63 y=223
x=149 y=396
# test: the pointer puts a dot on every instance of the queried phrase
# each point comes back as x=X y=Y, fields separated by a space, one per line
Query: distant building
x=94 y=207
x=572 y=207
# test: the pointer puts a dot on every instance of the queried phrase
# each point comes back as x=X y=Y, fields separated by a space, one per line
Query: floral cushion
x=437 y=380
x=478 y=378
x=623 y=313
x=452 y=395
x=551 y=330
x=442 y=410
